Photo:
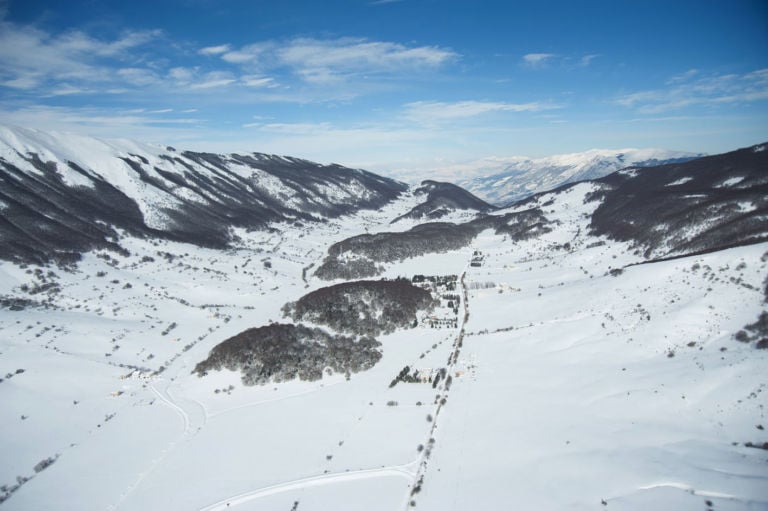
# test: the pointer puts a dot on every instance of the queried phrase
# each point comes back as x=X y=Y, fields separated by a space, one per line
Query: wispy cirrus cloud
x=31 y=58
x=692 y=89
x=351 y=54
x=39 y=63
x=141 y=124
x=320 y=61
x=259 y=81
x=436 y=111
x=297 y=128
x=213 y=79
x=555 y=60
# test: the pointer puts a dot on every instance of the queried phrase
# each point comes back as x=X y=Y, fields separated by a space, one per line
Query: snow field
x=578 y=400
x=572 y=386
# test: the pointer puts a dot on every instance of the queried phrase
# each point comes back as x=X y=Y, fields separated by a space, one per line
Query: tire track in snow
x=190 y=430
x=163 y=396
x=308 y=482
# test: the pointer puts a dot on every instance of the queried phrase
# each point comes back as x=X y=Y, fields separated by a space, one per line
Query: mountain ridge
x=442 y=199
x=698 y=206
x=62 y=194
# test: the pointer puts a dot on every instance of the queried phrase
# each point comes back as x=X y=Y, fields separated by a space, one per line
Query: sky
x=391 y=84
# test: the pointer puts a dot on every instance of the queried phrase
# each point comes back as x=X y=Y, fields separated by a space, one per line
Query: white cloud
x=182 y=75
x=537 y=59
x=331 y=61
x=68 y=90
x=258 y=81
x=107 y=123
x=39 y=63
x=31 y=58
x=214 y=50
x=248 y=54
x=692 y=89
x=26 y=81
x=558 y=61
x=77 y=42
x=348 y=54
x=192 y=78
x=213 y=79
x=436 y=111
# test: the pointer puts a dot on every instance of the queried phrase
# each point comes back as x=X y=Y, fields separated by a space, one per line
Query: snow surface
x=680 y=181
x=732 y=181
x=570 y=386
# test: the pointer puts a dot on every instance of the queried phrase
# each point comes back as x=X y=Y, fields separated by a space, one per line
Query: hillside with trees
x=367 y=307
x=282 y=352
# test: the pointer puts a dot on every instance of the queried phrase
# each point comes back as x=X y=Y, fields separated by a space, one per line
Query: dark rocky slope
x=703 y=205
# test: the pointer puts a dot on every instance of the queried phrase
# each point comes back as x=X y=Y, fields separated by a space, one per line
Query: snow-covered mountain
x=596 y=346
x=702 y=205
x=62 y=194
x=504 y=180
x=442 y=199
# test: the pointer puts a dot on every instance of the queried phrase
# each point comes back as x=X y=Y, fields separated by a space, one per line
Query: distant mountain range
x=505 y=180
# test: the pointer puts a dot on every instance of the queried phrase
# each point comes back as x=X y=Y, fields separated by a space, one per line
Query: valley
x=556 y=367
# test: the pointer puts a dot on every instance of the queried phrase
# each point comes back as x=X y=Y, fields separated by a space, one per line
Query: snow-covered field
x=571 y=386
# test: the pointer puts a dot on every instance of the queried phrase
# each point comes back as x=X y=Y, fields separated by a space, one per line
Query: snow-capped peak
x=503 y=180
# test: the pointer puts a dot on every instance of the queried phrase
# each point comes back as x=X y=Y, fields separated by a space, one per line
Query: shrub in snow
x=47 y=462
x=757 y=331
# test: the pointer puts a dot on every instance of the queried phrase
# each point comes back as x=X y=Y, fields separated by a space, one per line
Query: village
x=443 y=288
x=445 y=314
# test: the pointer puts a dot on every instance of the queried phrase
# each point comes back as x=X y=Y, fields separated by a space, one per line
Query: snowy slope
x=63 y=194
x=504 y=180
x=583 y=374
x=443 y=199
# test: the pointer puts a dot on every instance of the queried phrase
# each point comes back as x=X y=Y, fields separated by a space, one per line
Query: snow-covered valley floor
x=571 y=386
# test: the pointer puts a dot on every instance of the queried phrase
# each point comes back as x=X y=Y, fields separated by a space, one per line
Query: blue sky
x=391 y=84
